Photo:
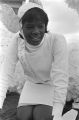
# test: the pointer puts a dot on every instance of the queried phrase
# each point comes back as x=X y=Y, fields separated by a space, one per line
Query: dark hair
x=35 y=14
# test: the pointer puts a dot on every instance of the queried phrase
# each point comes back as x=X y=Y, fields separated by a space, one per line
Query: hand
x=57 y=118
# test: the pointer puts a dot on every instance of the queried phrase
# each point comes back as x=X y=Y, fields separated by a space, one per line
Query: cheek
x=43 y=30
x=26 y=32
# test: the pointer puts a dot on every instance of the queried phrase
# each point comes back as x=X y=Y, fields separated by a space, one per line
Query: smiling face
x=34 y=32
x=33 y=26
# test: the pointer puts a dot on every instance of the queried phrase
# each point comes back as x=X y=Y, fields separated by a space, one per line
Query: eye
x=30 y=27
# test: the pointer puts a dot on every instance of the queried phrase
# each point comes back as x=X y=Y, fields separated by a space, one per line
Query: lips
x=36 y=37
x=34 y=40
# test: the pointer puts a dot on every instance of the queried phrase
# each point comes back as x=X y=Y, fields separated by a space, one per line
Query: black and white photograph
x=39 y=59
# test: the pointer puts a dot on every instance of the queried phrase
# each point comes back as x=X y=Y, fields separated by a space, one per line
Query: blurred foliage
x=73 y=88
x=74 y=4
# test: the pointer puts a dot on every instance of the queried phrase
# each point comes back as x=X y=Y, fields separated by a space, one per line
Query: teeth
x=35 y=38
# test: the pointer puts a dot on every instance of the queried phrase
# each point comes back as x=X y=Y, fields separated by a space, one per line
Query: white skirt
x=36 y=94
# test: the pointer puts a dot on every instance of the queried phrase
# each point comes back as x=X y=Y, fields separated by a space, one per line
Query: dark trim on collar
x=21 y=36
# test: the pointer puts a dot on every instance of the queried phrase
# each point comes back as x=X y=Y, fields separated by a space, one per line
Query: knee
x=37 y=114
x=24 y=113
x=42 y=112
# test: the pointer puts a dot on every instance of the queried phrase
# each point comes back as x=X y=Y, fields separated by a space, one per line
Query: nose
x=36 y=31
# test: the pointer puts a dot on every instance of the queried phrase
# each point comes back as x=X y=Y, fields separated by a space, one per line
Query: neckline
x=30 y=48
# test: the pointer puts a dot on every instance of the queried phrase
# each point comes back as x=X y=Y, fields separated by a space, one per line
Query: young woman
x=44 y=58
